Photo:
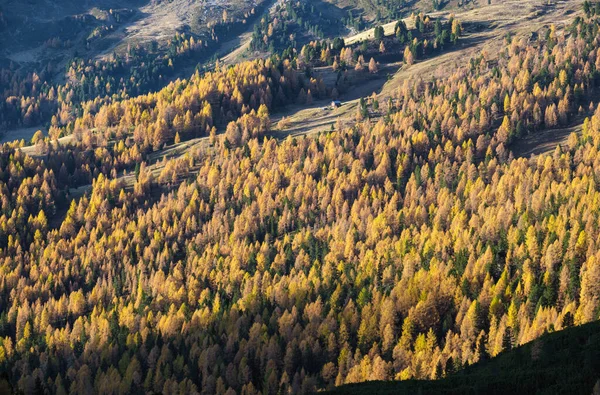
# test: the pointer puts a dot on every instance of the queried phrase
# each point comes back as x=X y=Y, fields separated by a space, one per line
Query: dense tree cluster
x=111 y=138
x=192 y=107
x=28 y=99
x=405 y=247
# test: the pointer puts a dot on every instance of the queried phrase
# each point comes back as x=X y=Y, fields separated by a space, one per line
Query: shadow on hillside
x=563 y=362
x=32 y=23
x=543 y=141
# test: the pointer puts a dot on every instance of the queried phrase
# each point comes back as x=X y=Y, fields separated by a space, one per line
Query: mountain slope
x=562 y=362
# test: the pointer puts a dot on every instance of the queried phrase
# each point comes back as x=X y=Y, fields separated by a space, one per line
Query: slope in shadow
x=564 y=362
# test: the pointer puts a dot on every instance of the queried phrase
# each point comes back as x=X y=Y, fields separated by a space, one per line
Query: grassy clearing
x=544 y=141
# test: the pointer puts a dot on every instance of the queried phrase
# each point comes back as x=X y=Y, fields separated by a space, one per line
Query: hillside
x=564 y=362
x=277 y=201
x=364 y=12
x=50 y=66
x=99 y=28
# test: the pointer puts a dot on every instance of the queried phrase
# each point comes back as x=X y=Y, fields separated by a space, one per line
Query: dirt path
x=320 y=116
x=484 y=30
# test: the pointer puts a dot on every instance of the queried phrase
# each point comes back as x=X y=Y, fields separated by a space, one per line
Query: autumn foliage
x=407 y=246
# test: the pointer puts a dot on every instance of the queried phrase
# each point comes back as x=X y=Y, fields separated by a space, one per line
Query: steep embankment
x=565 y=362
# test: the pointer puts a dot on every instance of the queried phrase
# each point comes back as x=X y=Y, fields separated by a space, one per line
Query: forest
x=33 y=97
x=405 y=246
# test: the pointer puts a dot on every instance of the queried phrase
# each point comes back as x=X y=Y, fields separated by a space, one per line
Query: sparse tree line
x=293 y=23
x=406 y=44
